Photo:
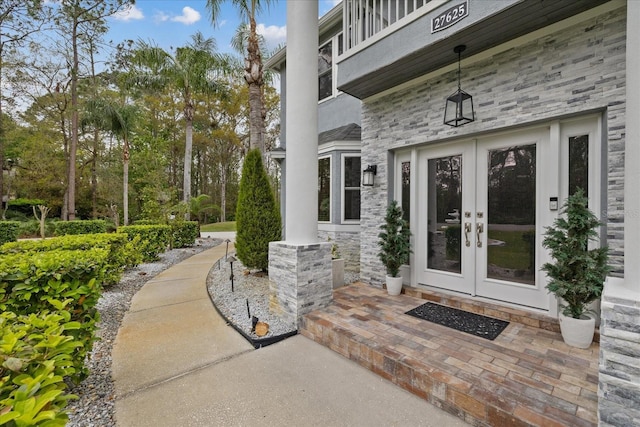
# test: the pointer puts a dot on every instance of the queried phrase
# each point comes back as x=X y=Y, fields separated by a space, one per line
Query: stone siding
x=619 y=388
x=348 y=244
x=300 y=278
x=577 y=70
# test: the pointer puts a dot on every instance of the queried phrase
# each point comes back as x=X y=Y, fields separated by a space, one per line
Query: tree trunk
x=223 y=194
x=125 y=182
x=71 y=181
x=253 y=77
x=188 y=148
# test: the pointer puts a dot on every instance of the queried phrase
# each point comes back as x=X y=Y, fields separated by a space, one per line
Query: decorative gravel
x=95 y=406
x=251 y=286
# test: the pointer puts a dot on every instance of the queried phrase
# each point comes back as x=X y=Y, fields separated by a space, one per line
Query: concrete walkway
x=176 y=363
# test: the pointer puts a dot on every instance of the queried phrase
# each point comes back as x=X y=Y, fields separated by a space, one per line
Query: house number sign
x=449 y=17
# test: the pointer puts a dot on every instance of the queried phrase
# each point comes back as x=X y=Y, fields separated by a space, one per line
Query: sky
x=171 y=23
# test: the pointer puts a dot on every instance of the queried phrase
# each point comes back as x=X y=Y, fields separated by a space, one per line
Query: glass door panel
x=445 y=232
x=511 y=214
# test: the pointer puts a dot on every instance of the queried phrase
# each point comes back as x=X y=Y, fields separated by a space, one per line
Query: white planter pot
x=577 y=332
x=337 y=272
x=394 y=285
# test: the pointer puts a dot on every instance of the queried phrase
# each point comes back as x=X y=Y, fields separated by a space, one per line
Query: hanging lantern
x=458 y=110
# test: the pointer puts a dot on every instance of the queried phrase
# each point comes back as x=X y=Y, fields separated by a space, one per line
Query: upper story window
x=327 y=55
x=325 y=71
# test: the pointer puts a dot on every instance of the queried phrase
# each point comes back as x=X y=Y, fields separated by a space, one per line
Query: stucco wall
x=578 y=69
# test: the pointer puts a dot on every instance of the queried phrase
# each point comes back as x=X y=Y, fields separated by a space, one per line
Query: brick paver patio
x=525 y=377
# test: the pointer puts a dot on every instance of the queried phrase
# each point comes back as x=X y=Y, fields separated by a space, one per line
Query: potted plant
x=395 y=246
x=337 y=266
x=578 y=273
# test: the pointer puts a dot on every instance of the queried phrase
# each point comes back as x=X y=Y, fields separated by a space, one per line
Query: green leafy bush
x=153 y=239
x=184 y=233
x=257 y=214
x=122 y=252
x=9 y=231
x=25 y=206
x=62 y=281
x=81 y=227
x=36 y=352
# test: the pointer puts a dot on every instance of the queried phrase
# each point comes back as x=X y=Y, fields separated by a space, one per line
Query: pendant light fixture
x=458 y=110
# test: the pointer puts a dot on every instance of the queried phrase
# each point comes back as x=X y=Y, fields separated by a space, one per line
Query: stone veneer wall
x=348 y=243
x=300 y=278
x=619 y=388
x=578 y=69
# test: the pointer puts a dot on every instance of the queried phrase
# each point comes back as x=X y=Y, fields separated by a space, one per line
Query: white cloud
x=273 y=35
x=189 y=16
x=160 y=17
x=131 y=13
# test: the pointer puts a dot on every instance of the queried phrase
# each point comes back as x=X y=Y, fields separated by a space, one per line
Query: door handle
x=467 y=230
x=479 y=230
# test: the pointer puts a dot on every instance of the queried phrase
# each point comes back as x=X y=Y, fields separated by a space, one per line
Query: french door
x=481 y=216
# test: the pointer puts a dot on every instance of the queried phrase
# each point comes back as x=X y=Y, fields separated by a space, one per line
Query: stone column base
x=619 y=379
x=299 y=278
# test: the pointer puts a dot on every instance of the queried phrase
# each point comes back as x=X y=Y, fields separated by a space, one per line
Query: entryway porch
x=527 y=376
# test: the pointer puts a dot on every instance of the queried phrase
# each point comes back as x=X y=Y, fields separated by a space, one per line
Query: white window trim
x=343 y=157
x=331 y=177
x=334 y=67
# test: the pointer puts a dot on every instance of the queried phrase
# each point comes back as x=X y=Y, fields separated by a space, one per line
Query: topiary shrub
x=184 y=233
x=394 y=240
x=257 y=214
x=9 y=231
x=81 y=227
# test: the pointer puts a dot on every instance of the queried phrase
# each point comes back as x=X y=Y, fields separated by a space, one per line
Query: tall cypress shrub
x=257 y=214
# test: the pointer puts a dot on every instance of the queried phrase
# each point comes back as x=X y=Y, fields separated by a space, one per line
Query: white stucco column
x=300 y=266
x=302 y=122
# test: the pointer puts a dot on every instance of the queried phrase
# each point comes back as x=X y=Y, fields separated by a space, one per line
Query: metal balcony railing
x=362 y=19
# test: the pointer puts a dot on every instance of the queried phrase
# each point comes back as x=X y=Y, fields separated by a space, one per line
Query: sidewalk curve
x=175 y=362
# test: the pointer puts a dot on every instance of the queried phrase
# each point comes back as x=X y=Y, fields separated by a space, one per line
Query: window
x=406 y=190
x=325 y=71
x=579 y=163
x=324 y=189
x=351 y=182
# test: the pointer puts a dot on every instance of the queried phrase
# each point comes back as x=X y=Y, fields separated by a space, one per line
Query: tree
x=19 y=19
x=257 y=215
x=73 y=16
x=119 y=120
x=253 y=73
x=192 y=69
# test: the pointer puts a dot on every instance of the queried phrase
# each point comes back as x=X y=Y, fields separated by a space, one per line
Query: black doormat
x=464 y=321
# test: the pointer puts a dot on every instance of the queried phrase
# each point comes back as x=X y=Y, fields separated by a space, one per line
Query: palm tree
x=190 y=70
x=253 y=73
x=119 y=120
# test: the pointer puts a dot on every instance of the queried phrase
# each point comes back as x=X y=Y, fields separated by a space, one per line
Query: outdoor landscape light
x=458 y=110
x=368 y=174
x=231 y=260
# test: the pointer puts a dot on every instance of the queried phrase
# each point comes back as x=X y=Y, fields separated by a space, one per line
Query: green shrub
x=36 y=351
x=122 y=252
x=9 y=231
x=81 y=227
x=145 y=222
x=184 y=233
x=153 y=239
x=63 y=281
x=257 y=214
x=394 y=240
x=25 y=206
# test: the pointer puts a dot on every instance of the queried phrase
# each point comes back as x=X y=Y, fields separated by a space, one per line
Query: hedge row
x=81 y=227
x=153 y=239
x=183 y=233
x=123 y=252
x=9 y=231
x=57 y=281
